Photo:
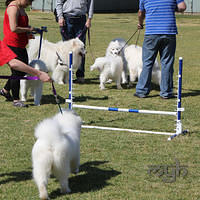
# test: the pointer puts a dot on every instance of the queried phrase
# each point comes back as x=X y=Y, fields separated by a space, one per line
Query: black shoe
x=20 y=104
x=140 y=95
x=168 y=97
x=6 y=95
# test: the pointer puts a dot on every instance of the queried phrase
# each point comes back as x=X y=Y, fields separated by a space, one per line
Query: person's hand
x=88 y=23
x=31 y=28
x=61 y=22
x=44 y=77
x=30 y=36
x=140 y=26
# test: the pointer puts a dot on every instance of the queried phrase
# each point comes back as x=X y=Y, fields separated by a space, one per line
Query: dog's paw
x=91 y=68
x=109 y=81
x=102 y=87
x=65 y=190
x=61 y=83
x=119 y=87
x=23 y=99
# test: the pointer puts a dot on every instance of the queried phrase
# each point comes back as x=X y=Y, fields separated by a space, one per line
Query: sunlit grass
x=113 y=164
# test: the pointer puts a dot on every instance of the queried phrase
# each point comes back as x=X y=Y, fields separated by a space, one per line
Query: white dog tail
x=98 y=64
x=49 y=130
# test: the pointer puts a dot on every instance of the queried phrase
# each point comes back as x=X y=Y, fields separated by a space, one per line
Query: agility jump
x=177 y=113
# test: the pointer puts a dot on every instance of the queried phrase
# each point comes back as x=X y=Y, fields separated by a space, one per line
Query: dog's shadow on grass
x=91 y=178
x=47 y=99
x=91 y=81
x=83 y=98
x=50 y=99
x=16 y=177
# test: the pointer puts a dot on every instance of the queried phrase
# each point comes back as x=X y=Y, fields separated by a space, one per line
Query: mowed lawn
x=114 y=165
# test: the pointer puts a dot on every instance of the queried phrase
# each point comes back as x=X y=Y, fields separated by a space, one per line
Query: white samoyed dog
x=116 y=47
x=36 y=86
x=56 y=56
x=56 y=151
x=110 y=68
x=133 y=56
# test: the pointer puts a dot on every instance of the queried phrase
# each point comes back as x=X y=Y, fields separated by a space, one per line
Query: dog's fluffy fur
x=56 y=56
x=56 y=151
x=110 y=68
x=116 y=48
x=35 y=86
x=133 y=56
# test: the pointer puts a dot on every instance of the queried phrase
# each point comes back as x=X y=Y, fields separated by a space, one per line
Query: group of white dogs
x=57 y=149
x=119 y=62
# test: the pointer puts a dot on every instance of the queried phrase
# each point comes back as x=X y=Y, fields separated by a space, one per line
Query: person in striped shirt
x=160 y=36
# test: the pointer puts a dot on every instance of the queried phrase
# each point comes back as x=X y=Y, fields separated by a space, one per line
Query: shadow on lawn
x=93 y=178
x=190 y=93
x=16 y=176
x=92 y=80
x=85 y=98
x=47 y=99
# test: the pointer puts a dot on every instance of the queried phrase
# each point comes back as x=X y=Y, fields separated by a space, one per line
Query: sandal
x=6 y=95
x=19 y=104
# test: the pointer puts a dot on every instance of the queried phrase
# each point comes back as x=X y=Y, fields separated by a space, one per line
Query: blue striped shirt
x=159 y=16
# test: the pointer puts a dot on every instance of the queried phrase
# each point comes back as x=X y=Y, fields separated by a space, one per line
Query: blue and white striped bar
x=70 y=100
x=124 y=110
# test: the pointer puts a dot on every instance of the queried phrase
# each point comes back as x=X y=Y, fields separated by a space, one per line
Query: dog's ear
x=75 y=41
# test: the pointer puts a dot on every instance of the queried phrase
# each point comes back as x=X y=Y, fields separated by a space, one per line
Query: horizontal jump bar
x=124 y=110
x=128 y=130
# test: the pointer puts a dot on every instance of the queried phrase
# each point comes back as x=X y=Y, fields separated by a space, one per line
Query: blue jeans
x=166 y=46
x=73 y=27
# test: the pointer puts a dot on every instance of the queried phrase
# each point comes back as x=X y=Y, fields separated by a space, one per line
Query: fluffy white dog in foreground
x=36 y=86
x=56 y=56
x=110 y=68
x=133 y=56
x=116 y=48
x=56 y=151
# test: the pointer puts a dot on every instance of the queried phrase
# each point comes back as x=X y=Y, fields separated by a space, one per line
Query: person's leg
x=5 y=91
x=15 y=84
x=167 y=54
x=78 y=28
x=149 y=53
x=67 y=31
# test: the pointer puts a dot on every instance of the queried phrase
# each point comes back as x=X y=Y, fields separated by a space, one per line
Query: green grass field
x=114 y=165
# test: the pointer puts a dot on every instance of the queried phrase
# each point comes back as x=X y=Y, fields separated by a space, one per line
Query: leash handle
x=55 y=95
x=89 y=36
x=129 y=40
x=40 y=31
x=20 y=77
x=83 y=32
x=137 y=37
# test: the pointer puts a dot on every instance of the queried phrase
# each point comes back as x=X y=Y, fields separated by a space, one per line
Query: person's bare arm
x=141 y=17
x=13 y=13
x=20 y=66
